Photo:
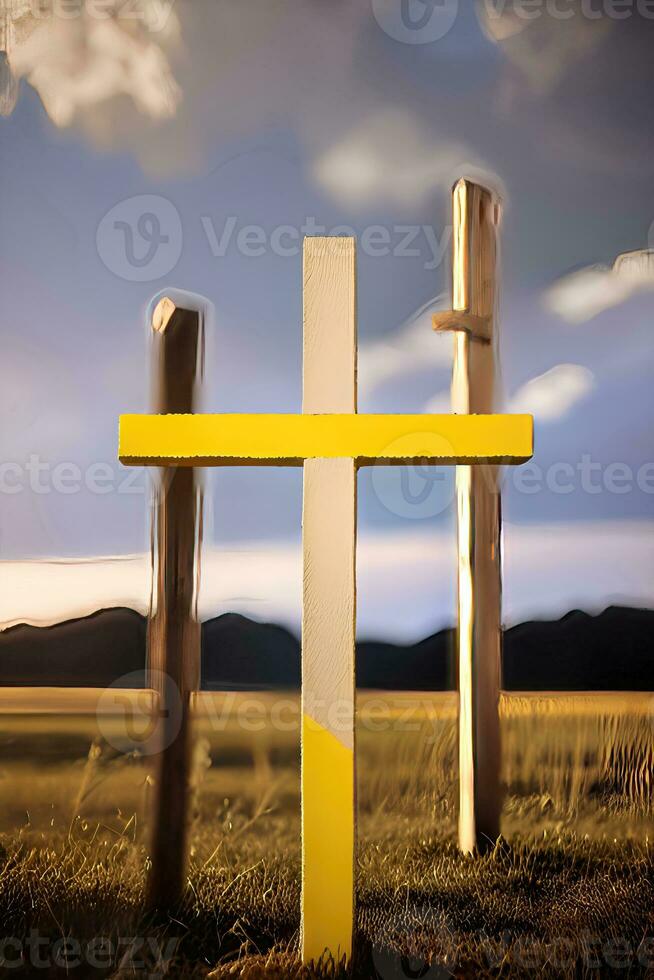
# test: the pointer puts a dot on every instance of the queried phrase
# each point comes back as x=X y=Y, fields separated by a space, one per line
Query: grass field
x=569 y=891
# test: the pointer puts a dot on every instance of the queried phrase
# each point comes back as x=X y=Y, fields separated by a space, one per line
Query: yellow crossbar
x=287 y=440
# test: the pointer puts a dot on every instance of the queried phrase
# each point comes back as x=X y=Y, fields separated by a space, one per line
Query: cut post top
x=289 y=440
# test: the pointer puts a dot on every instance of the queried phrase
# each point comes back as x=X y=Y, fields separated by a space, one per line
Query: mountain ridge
x=612 y=650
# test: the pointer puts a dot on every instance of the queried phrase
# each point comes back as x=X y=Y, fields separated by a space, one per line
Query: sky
x=192 y=144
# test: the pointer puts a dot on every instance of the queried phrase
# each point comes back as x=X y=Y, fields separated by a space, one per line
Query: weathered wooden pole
x=474 y=300
x=173 y=657
x=328 y=608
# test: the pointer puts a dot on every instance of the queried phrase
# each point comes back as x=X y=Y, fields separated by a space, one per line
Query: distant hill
x=240 y=654
x=611 y=651
x=88 y=652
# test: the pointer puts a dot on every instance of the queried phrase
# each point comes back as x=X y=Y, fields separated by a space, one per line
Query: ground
x=569 y=890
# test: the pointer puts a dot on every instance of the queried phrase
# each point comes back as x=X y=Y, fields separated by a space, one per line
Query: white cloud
x=70 y=588
x=582 y=295
x=76 y=63
x=105 y=77
x=548 y=397
x=552 y=395
x=548 y=569
x=413 y=347
x=387 y=157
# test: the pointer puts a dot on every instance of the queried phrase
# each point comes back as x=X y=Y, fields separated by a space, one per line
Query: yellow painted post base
x=328 y=840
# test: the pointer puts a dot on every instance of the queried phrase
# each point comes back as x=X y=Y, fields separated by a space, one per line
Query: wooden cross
x=330 y=441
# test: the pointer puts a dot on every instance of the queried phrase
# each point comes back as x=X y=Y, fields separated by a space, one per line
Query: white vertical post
x=474 y=267
x=328 y=610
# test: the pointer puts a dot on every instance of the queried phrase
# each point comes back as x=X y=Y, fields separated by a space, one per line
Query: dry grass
x=575 y=870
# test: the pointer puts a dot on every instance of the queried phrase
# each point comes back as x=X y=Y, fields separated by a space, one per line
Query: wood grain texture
x=328 y=608
x=474 y=264
x=329 y=326
x=328 y=612
x=173 y=645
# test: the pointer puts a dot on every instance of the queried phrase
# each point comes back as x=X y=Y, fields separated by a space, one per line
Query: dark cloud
x=581 y=85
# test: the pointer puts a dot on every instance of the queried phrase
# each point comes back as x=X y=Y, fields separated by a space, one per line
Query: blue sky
x=284 y=113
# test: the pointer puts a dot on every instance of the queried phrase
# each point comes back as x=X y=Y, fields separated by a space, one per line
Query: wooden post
x=173 y=658
x=328 y=610
x=474 y=299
